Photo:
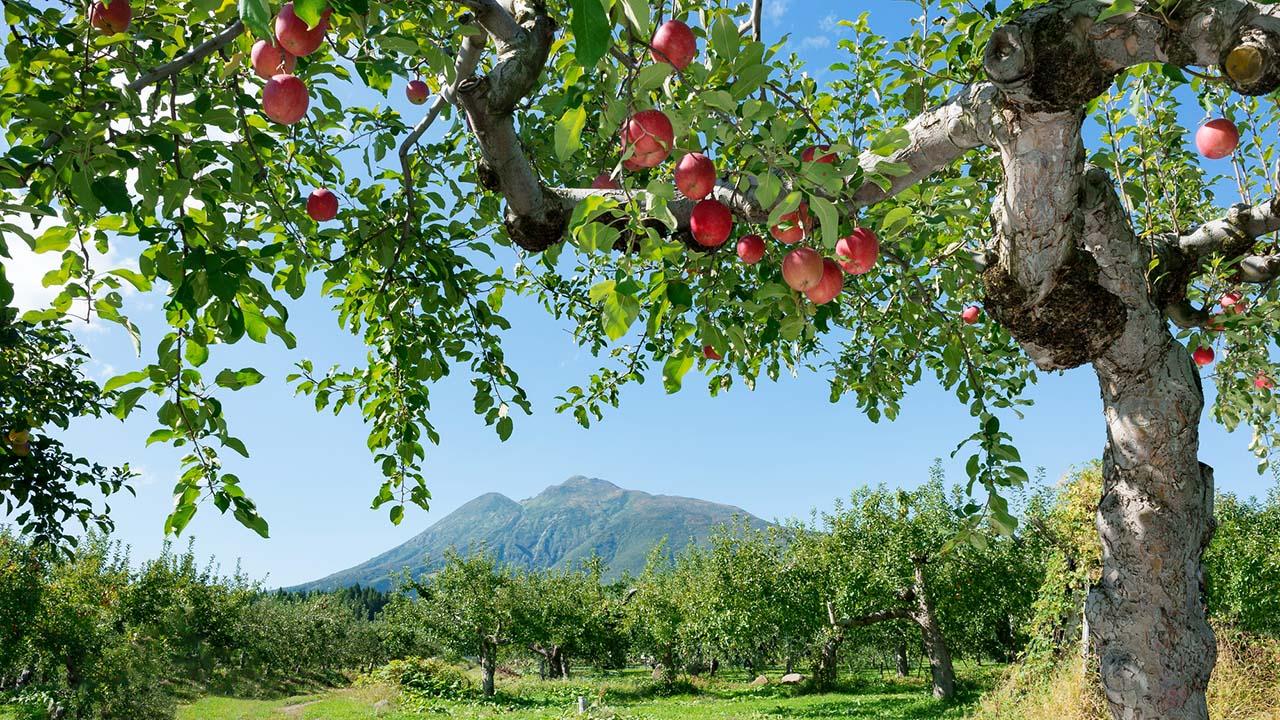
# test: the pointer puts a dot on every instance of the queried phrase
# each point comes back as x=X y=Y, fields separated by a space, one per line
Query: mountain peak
x=582 y=482
x=559 y=528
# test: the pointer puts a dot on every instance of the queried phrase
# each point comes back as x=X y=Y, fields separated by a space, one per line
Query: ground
x=624 y=698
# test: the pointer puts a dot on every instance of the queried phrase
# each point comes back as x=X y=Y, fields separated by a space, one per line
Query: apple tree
x=930 y=209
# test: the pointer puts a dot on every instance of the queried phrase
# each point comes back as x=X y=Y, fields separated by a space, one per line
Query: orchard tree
x=239 y=175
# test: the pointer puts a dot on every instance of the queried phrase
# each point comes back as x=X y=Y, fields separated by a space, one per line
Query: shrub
x=422 y=677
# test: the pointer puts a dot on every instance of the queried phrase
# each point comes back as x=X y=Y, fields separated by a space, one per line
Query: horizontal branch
x=1235 y=233
x=496 y=19
x=901 y=613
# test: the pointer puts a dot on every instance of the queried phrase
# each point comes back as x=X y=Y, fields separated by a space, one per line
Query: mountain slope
x=557 y=528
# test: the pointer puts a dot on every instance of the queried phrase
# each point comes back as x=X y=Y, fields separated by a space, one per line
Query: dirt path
x=297 y=709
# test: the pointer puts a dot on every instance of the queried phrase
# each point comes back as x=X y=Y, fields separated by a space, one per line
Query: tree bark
x=826 y=671
x=941 y=670
x=488 y=666
x=1147 y=613
x=903 y=664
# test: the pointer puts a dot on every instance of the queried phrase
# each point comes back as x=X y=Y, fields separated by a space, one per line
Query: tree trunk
x=488 y=666
x=826 y=671
x=1146 y=614
x=901 y=656
x=935 y=645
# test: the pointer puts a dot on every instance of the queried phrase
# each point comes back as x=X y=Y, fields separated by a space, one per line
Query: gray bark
x=941 y=670
x=902 y=662
x=488 y=667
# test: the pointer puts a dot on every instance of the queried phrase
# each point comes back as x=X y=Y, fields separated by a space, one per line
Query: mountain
x=556 y=528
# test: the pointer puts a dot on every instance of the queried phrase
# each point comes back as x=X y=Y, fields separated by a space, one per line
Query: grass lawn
x=621 y=697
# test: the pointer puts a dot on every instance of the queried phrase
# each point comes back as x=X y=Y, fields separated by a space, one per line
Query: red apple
x=293 y=34
x=674 y=43
x=1229 y=299
x=1217 y=138
x=858 y=252
x=284 y=99
x=812 y=150
x=711 y=223
x=417 y=92
x=792 y=227
x=1262 y=382
x=269 y=60
x=605 y=181
x=649 y=135
x=802 y=268
x=830 y=283
x=710 y=353
x=111 y=19
x=970 y=314
x=322 y=205
x=750 y=249
x=1202 y=356
x=695 y=176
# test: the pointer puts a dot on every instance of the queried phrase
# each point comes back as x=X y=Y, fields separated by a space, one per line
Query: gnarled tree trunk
x=488 y=667
x=941 y=670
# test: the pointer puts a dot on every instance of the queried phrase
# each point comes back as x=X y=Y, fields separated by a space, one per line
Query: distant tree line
x=894 y=579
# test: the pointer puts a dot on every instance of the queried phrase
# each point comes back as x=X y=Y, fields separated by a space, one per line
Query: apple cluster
x=647 y=140
x=285 y=97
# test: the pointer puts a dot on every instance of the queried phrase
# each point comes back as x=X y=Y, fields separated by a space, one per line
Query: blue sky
x=778 y=451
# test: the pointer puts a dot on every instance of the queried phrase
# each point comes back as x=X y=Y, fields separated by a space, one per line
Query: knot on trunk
x=536 y=233
x=1075 y=323
x=1045 y=61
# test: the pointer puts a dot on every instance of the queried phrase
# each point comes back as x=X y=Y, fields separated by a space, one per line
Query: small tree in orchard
x=472 y=610
x=726 y=211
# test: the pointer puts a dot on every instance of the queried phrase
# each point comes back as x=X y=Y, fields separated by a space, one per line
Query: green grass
x=624 y=697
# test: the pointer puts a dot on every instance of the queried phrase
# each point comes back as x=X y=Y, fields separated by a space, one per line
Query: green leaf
x=829 y=217
x=128 y=378
x=55 y=239
x=673 y=372
x=256 y=14
x=309 y=11
x=591 y=34
x=724 y=36
x=397 y=514
x=236 y=379
x=637 y=12
x=620 y=311
x=569 y=131
x=505 y=427
x=1118 y=7
x=112 y=193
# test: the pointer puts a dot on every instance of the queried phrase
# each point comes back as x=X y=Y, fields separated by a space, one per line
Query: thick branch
x=1234 y=234
x=901 y=613
x=497 y=19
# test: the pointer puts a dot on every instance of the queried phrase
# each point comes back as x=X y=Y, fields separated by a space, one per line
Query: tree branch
x=151 y=77
x=901 y=613
x=1233 y=234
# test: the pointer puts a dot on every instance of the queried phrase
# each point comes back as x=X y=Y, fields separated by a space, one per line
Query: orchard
x=1005 y=193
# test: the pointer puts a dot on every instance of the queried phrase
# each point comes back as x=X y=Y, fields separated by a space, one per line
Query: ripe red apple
x=269 y=60
x=710 y=353
x=802 y=268
x=111 y=19
x=750 y=249
x=812 y=150
x=649 y=135
x=970 y=314
x=322 y=205
x=1229 y=299
x=284 y=99
x=293 y=34
x=711 y=223
x=1202 y=356
x=792 y=227
x=605 y=181
x=1262 y=382
x=417 y=92
x=858 y=252
x=1217 y=138
x=829 y=284
x=674 y=43
x=695 y=176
